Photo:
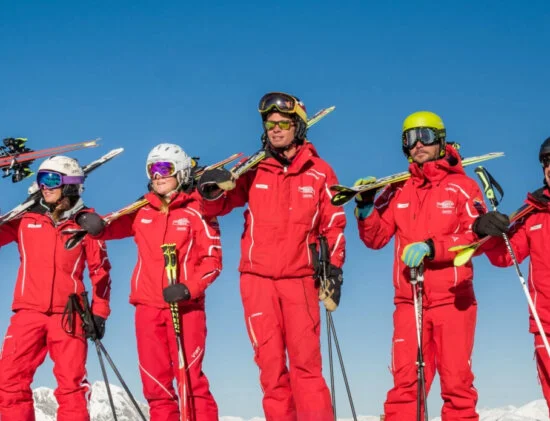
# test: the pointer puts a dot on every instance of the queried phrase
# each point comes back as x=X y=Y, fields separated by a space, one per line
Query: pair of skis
x=344 y=193
x=16 y=157
x=34 y=191
x=77 y=235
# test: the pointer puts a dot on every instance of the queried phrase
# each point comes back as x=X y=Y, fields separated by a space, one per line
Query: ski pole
x=417 y=283
x=346 y=383
x=86 y=316
x=324 y=262
x=170 y=264
x=489 y=184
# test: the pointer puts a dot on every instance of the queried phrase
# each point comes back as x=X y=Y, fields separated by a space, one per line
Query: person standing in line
x=47 y=276
x=288 y=209
x=427 y=214
x=172 y=216
x=529 y=237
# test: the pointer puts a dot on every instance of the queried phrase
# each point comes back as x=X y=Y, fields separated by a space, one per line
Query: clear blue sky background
x=139 y=73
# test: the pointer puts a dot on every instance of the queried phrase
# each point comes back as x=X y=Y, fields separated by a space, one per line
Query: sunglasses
x=53 y=180
x=425 y=135
x=283 y=124
x=162 y=168
x=545 y=161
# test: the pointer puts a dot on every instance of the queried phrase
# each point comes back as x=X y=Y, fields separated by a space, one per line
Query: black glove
x=90 y=222
x=331 y=288
x=175 y=293
x=213 y=183
x=96 y=330
x=492 y=223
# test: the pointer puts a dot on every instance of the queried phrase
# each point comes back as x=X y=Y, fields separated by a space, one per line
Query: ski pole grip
x=486 y=182
x=323 y=246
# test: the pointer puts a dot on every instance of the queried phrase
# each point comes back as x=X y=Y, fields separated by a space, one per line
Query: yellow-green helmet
x=424 y=120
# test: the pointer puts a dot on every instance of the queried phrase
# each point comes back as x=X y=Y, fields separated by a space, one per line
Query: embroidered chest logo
x=535 y=227
x=181 y=224
x=447 y=207
x=146 y=221
x=402 y=205
x=307 y=192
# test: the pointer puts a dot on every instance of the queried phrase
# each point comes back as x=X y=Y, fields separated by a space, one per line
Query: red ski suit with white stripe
x=199 y=263
x=288 y=208
x=439 y=202
x=530 y=237
x=48 y=274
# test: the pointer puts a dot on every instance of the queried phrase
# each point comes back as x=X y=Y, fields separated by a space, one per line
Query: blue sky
x=140 y=73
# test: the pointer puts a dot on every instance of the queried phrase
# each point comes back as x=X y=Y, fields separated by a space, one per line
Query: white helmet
x=68 y=167
x=169 y=152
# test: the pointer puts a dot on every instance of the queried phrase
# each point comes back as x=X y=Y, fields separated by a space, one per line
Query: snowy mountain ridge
x=100 y=410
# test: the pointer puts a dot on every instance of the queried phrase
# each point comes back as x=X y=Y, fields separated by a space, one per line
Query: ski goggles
x=283 y=124
x=282 y=102
x=425 y=135
x=162 y=168
x=545 y=161
x=53 y=180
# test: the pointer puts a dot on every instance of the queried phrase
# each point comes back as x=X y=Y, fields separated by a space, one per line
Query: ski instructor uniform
x=529 y=237
x=48 y=274
x=288 y=208
x=427 y=214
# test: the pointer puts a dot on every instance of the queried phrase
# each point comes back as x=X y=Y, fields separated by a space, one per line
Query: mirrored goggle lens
x=283 y=124
x=424 y=135
x=545 y=161
x=163 y=169
x=48 y=179
x=282 y=102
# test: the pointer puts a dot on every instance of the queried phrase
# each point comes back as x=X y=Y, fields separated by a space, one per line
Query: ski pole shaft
x=170 y=264
x=107 y=385
x=120 y=379
x=341 y=359
x=86 y=316
x=488 y=181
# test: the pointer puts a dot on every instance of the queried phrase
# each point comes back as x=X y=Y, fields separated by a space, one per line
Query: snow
x=46 y=406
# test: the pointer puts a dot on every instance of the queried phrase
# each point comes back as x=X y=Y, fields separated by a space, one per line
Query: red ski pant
x=30 y=336
x=282 y=316
x=158 y=362
x=448 y=340
x=543 y=367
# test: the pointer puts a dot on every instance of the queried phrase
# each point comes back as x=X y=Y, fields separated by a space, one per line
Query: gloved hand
x=492 y=223
x=175 y=293
x=90 y=222
x=97 y=330
x=415 y=253
x=331 y=288
x=214 y=182
x=365 y=200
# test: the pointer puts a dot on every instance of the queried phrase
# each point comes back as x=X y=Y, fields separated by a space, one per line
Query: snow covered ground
x=45 y=407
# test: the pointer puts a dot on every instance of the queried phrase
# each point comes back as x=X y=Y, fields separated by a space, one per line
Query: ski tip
x=91 y=143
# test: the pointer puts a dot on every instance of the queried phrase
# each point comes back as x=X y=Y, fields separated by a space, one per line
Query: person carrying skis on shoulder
x=47 y=276
x=529 y=237
x=288 y=208
x=172 y=216
x=427 y=214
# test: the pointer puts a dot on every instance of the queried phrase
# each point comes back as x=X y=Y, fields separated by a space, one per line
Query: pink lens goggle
x=161 y=168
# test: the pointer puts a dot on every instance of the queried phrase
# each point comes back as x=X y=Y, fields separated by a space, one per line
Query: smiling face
x=52 y=196
x=421 y=153
x=164 y=185
x=546 y=168
x=280 y=138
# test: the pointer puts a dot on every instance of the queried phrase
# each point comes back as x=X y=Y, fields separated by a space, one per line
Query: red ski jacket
x=197 y=244
x=288 y=208
x=439 y=202
x=529 y=236
x=49 y=273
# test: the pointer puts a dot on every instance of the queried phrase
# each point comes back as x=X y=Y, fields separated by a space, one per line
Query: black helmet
x=544 y=149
